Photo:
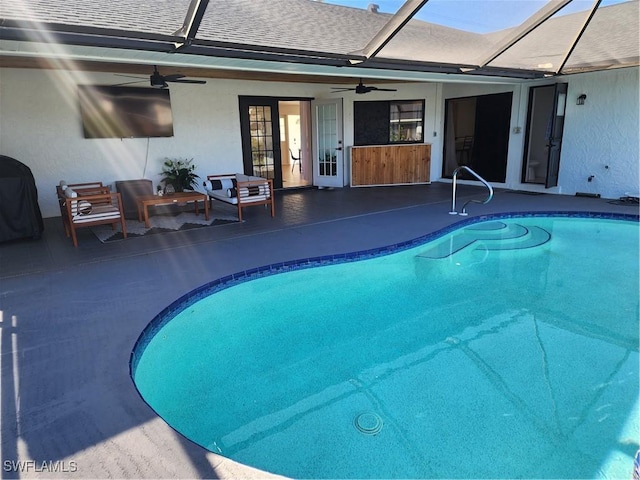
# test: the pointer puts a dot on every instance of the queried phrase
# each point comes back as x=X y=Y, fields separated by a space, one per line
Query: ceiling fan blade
x=127 y=83
x=186 y=80
x=173 y=77
x=128 y=76
x=361 y=89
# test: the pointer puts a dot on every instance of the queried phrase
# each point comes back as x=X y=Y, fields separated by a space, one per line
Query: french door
x=327 y=146
x=260 y=128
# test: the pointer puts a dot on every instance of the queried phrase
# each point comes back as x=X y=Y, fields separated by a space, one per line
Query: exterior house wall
x=602 y=133
x=429 y=92
x=40 y=126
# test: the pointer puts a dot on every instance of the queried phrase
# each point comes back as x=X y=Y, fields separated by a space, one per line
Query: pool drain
x=368 y=423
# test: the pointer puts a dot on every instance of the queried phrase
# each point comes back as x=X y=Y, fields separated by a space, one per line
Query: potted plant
x=180 y=174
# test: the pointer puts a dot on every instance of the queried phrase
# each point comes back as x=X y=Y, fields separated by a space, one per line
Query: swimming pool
x=507 y=347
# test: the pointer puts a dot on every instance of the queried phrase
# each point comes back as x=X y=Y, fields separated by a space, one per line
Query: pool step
x=489 y=236
x=535 y=237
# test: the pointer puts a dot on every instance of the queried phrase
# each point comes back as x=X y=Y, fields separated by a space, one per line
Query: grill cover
x=20 y=215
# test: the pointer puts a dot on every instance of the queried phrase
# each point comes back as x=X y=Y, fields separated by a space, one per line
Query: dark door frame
x=490 y=139
x=244 y=101
x=556 y=130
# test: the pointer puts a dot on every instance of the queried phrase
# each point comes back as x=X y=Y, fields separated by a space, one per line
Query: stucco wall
x=40 y=126
x=603 y=132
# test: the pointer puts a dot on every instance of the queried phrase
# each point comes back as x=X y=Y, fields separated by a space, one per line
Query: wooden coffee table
x=143 y=202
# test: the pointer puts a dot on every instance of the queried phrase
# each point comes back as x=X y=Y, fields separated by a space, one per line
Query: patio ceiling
x=311 y=41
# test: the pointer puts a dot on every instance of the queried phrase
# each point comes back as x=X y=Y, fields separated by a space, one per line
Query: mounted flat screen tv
x=125 y=112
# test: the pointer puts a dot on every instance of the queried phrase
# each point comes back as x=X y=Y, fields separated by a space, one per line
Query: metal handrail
x=453 y=193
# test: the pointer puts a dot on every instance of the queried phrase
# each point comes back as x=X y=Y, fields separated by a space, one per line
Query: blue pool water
x=506 y=348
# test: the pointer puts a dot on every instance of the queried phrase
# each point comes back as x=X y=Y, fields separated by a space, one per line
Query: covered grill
x=20 y=215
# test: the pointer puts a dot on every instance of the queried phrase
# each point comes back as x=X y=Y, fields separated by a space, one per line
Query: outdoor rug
x=164 y=223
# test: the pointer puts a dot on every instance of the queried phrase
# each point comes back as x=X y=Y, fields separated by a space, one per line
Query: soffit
x=15 y=54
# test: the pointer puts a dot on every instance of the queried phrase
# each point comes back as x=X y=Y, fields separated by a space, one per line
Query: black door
x=557 y=128
x=491 y=142
x=477 y=135
x=260 y=129
x=543 y=141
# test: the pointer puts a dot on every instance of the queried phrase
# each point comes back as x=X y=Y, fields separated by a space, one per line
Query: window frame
x=383 y=125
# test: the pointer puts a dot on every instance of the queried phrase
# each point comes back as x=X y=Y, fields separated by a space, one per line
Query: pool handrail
x=464 y=213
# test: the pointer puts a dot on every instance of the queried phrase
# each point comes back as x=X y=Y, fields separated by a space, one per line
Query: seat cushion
x=222 y=195
x=219 y=184
x=98 y=212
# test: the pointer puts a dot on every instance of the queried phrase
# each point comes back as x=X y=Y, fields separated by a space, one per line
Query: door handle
x=339 y=148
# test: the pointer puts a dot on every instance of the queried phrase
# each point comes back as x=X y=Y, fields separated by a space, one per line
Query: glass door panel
x=262 y=154
x=261 y=138
x=543 y=141
x=328 y=152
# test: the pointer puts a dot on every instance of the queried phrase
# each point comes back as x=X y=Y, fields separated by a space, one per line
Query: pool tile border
x=188 y=299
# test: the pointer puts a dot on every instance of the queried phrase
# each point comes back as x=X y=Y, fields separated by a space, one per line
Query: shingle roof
x=295 y=24
x=319 y=27
x=159 y=16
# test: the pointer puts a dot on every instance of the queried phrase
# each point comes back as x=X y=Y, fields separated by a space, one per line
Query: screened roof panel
x=424 y=42
x=611 y=38
x=608 y=39
x=546 y=47
x=436 y=35
x=455 y=31
x=482 y=17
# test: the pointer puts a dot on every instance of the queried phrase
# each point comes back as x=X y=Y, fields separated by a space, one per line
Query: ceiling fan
x=161 y=81
x=362 y=89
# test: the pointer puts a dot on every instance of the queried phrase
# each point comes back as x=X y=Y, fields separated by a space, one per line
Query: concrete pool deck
x=69 y=318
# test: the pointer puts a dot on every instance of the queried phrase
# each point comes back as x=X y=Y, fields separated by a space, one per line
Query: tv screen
x=124 y=112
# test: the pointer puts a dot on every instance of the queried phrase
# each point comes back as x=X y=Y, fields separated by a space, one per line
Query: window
x=405 y=124
x=388 y=122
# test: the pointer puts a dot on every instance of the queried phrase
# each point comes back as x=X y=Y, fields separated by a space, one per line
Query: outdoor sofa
x=240 y=190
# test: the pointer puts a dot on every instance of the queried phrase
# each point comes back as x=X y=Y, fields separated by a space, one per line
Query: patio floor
x=69 y=317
